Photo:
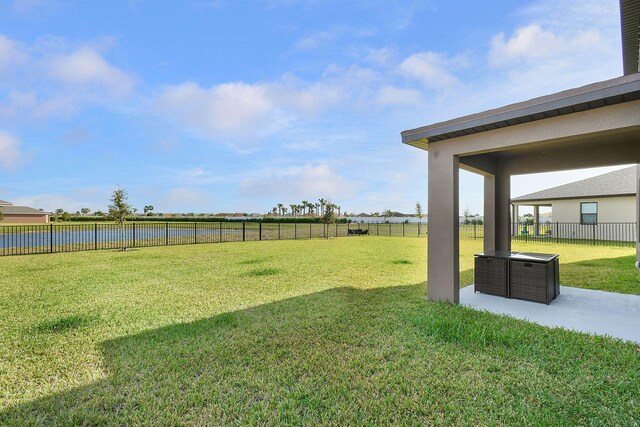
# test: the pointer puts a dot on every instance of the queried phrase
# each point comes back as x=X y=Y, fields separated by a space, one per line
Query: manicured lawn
x=296 y=332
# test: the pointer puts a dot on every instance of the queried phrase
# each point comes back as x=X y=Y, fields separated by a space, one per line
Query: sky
x=235 y=106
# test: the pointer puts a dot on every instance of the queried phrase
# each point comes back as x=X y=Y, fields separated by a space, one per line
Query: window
x=589 y=213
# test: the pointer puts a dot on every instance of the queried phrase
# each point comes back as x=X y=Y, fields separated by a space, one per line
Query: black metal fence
x=604 y=233
x=54 y=238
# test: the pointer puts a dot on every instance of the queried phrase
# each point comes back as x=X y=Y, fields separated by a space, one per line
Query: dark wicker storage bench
x=522 y=275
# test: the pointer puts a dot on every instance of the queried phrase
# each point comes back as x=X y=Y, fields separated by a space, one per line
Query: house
x=591 y=126
x=606 y=198
x=22 y=214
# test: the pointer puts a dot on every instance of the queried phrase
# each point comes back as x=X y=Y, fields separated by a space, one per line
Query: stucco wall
x=10 y=218
x=616 y=219
x=610 y=209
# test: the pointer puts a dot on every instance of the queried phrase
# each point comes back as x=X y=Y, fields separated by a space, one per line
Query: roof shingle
x=621 y=182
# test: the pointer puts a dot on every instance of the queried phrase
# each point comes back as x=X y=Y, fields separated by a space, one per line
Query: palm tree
x=304 y=207
x=338 y=209
x=280 y=206
x=284 y=210
x=323 y=203
x=294 y=209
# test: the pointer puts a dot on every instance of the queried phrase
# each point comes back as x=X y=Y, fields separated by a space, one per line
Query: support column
x=443 y=273
x=497 y=202
x=514 y=219
x=536 y=220
x=638 y=215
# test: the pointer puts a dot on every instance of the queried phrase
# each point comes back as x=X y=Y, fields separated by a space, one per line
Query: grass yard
x=296 y=332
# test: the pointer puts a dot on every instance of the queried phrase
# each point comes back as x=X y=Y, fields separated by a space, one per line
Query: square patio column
x=443 y=265
x=638 y=215
x=497 y=203
x=536 y=220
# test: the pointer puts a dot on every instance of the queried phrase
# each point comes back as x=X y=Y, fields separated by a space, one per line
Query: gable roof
x=21 y=210
x=5 y=203
x=617 y=183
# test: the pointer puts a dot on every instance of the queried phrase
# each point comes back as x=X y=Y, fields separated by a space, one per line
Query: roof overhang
x=602 y=196
x=596 y=95
x=630 y=23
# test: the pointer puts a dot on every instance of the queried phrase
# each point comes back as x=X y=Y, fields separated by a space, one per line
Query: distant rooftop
x=617 y=183
x=20 y=210
x=5 y=203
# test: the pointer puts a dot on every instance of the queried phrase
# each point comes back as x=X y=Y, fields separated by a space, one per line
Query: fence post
x=593 y=235
x=95 y=236
x=166 y=233
x=389 y=229
x=474 y=232
x=244 y=232
x=259 y=231
x=295 y=230
x=377 y=228
x=195 y=232
x=278 y=231
x=403 y=229
x=336 y=229
x=310 y=224
x=134 y=234
x=50 y=238
x=557 y=233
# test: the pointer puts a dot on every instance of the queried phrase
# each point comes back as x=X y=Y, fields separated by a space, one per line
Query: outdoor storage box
x=491 y=275
x=522 y=275
x=534 y=280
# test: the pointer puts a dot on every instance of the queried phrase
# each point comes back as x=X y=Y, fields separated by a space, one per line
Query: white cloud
x=390 y=95
x=183 y=199
x=528 y=42
x=432 y=69
x=226 y=110
x=10 y=53
x=54 y=81
x=86 y=67
x=298 y=183
x=316 y=40
x=11 y=157
x=243 y=113
x=532 y=42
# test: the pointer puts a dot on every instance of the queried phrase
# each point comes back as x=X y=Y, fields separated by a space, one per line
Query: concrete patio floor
x=583 y=310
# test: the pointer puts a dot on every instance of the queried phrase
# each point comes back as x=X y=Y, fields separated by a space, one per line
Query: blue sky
x=220 y=106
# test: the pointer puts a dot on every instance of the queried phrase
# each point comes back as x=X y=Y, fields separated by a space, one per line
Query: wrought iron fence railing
x=54 y=238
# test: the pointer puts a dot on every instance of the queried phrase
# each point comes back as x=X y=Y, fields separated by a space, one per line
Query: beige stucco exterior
x=24 y=218
x=610 y=209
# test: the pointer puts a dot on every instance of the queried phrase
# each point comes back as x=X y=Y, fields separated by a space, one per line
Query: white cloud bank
x=47 y=79
x=11 y=157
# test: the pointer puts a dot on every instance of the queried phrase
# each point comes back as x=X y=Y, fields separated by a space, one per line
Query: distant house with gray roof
x=22 y=214
x=600 y=199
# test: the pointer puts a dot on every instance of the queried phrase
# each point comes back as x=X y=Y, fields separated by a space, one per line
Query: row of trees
x=306 y=208
x=61 y=214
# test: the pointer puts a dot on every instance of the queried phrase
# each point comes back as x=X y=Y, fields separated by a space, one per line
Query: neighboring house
x=23 y=214
x=605 y=203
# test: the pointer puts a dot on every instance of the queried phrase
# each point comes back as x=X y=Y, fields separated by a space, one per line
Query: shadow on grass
x=350 y=356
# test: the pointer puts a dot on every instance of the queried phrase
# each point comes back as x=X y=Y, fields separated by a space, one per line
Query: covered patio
x=581 y=310
x=590 y=126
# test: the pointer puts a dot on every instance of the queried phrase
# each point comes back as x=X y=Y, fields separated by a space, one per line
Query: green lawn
x=296 y=332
